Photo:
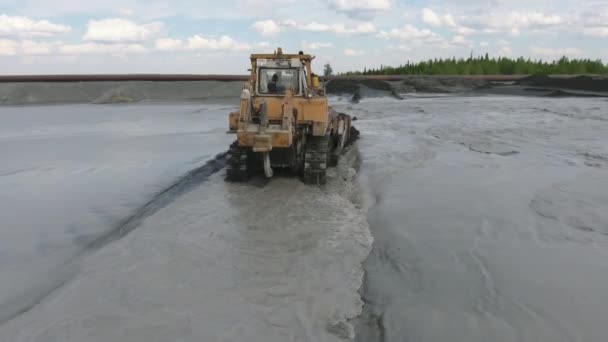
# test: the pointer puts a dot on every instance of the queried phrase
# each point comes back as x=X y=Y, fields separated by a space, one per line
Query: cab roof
x=278 y=54
x=282 y=56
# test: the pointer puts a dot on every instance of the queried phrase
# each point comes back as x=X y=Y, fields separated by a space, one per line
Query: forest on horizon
x=484 y=65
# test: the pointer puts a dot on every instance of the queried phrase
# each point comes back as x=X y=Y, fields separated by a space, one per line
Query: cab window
x=277 y=80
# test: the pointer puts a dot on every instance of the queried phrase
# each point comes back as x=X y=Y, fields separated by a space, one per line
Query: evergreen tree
x=327 y=70
x=484 y=65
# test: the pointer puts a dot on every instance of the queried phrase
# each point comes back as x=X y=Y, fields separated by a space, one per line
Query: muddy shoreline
x=110 y=90
x=536 y=85
x=473 y=203
x=477 y=205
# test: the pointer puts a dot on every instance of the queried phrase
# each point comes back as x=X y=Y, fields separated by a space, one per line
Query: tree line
x=484 y=65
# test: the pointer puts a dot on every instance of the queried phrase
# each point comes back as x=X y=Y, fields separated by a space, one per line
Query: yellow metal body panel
x=233 y=121
x=319 y=128
x=277 y=138
x=262 y=143
x=312 y=110
x=274 y=106
x=309 y=110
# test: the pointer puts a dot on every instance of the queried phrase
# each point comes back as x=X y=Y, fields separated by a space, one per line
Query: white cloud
x=447 y=20
x=314 y=27
x=315 y=45
x=361 y=5
x=461 y=40
x=409 y=33
x=536 y=19
x=8 y=47
x=504 y=48
x=126 y=12
x=400 y=47
x=269 y=27
x=556 y=53
x=594 y=15
x=42 y=48
x=592 y=21
x=168 y=44
x=360 y=9
x=29 y=47
x=511 y=22
x=339 y=28
x=352 y=52
x=266 y=27
x=26 y=47
x=432 y=18
x=463 y=30
x=492 y=22
x=120 y=31
x=25 y=27
x=96 y=48
x=198 y=42
x=597 y=31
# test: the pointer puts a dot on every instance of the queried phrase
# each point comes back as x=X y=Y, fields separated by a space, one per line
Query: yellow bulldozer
x=284 y=121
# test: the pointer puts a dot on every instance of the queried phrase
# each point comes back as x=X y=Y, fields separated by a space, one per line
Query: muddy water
x=277 y=261
x=489 y=217
x=71 y=174
x=488 y=214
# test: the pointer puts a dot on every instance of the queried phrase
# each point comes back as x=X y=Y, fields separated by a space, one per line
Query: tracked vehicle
x=284 y=121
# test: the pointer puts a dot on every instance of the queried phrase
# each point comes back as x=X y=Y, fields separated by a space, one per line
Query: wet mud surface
x=488 y=216
x=453 y=218
x=75 y=177
x=273 y=262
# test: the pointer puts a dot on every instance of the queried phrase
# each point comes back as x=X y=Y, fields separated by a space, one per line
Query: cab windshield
x=278 y=80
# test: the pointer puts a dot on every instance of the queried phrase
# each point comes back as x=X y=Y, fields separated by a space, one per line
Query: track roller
x=236 y=165
x=316 y=160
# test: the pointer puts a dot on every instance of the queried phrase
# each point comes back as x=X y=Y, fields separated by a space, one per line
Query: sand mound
x=116 y=92
x=588 y=83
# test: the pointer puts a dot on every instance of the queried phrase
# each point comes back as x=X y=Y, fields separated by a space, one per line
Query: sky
x=216 y=37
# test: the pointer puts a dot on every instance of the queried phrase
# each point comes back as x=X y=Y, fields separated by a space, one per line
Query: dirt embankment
x=588 y=83
x=394 y=86
x=115 y=92
x=536 y=85
x=359 y=88
x=579 y=86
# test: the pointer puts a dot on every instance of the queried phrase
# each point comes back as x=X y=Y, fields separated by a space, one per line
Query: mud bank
x=489 y=218
x=263 y=261
x=75 y=176
x=414 y=84
x=544 y=86
x=116 y=92
x=355 y=89
x=588 y=83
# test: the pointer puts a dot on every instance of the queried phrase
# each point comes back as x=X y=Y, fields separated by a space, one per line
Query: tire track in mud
x=161 y=200
x=571 y=115
x=499 y=305
x=121 y=229
x=298 y=269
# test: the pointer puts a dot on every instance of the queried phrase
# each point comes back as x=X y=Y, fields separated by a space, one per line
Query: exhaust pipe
x=267 y=169
x=262 y=130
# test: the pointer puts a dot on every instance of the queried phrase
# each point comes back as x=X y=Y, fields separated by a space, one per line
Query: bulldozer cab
x=284 y=121
x=276 y=81
x=274 y=74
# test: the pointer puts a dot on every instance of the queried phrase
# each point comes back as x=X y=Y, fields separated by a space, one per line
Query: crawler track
x=316 y=160
x=236 y=165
